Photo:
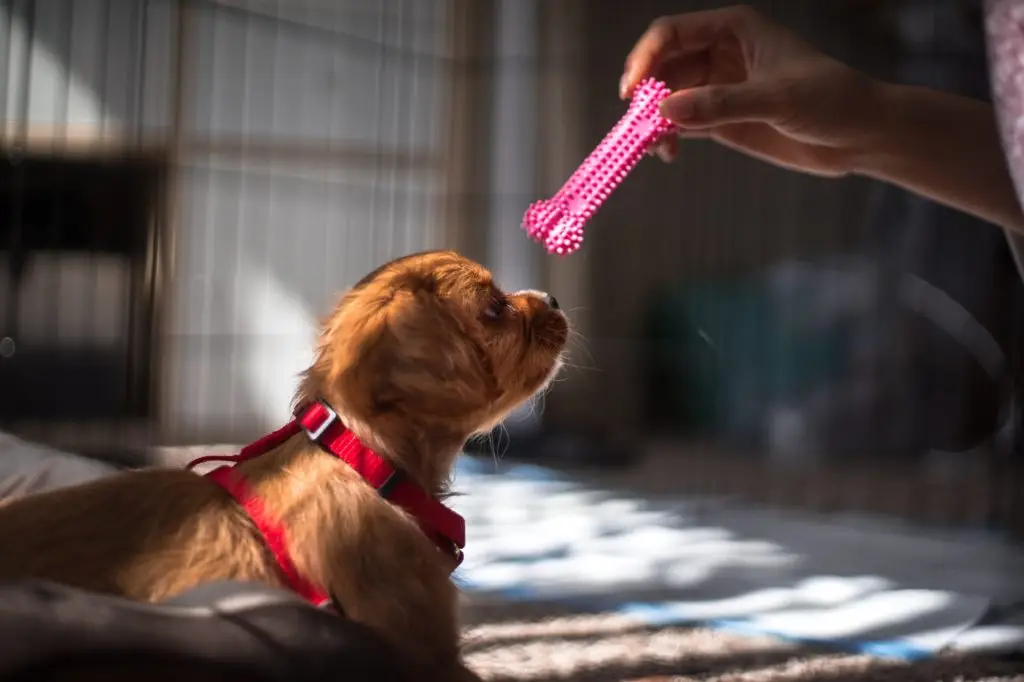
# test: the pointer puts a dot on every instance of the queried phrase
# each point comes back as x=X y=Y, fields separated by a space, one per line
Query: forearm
x=941 y=146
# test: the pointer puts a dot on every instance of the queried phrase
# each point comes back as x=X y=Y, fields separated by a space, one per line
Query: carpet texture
x=524 y=643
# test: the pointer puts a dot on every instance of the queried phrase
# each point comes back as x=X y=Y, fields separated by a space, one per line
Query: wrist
x=942 y=146
x=875 y=141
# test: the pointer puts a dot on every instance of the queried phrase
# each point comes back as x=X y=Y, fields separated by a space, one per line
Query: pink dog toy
x=558 y=222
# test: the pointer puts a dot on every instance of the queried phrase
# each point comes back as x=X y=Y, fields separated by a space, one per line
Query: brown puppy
x=420 y=355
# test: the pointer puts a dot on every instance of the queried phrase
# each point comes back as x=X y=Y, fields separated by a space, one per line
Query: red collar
x=321 y=423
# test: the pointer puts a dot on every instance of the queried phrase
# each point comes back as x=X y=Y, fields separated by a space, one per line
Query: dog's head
x=426 y=351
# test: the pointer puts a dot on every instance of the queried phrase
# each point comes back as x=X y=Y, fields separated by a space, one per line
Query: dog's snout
x=551 y=301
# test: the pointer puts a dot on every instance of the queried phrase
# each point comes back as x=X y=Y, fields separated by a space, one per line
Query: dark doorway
x=77 y=288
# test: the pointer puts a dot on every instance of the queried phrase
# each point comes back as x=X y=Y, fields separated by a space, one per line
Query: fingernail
x=665 y=154
x=623 y=84
x=677 y=109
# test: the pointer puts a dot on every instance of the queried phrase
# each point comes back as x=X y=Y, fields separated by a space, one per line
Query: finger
x=668 y=148
x=761 y=141
x=681 y=34
x=685 y=71
x=694 y=134
x=713 y=105
x=656 y=148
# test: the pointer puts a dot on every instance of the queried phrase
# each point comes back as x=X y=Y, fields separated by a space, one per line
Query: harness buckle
x=318 y=432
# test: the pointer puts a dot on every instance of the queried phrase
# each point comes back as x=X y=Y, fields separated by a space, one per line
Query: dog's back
x=119 y=535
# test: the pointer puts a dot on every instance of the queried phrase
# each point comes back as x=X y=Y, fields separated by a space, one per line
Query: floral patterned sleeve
x=1004 y=32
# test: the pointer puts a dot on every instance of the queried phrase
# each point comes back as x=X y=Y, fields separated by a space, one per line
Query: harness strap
x=273 y=533
x=320 y=422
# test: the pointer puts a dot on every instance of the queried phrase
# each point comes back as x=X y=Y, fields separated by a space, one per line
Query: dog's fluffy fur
x=420 y=355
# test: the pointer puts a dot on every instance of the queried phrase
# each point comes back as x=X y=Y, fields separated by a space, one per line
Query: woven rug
x=534 y=643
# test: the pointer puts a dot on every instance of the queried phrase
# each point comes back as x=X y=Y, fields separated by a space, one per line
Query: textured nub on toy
x=558 y=222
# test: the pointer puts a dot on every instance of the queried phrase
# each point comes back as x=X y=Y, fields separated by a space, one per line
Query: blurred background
x=187 y=186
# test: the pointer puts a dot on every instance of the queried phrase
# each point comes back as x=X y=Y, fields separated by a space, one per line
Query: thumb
x=713 y=105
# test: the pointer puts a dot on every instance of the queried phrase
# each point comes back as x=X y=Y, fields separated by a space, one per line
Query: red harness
x=321 y=423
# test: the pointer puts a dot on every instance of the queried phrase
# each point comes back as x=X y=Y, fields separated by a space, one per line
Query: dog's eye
x=495 y=308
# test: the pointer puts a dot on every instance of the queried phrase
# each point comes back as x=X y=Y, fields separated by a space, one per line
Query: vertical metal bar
x=203 y=341
x=378 y=133
x=330 y=183
x=458 y=122
x=141 y=310
x=17 y=254
x=15 y=264
x=353 y=240
x=131 y=72
x=103 y=45
x=147 y=340
x=67 y=44
x=9 y=293
x=58 y=181
x=133 y=255
x=390 y=224
x=238 y=285
x=7 y=10
x=136 y=269
x=415 y=202
x=169 y=220
x=126 y=304
x=104 y=66
x=141 y=61
x=304 y=185
x=26 y=75
x=184 y=18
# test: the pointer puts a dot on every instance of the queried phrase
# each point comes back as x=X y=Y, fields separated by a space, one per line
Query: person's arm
x=942 y=146
x=755 y=86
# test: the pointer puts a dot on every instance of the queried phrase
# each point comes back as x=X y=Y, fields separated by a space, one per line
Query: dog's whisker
x=579 y=342
x=540 y=401
x=508 y=440
x=494 y=450
x=532 y=405
x=499 y=440
x=585 y=368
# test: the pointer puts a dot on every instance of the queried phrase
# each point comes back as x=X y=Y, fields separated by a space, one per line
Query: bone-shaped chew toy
x=558 y=222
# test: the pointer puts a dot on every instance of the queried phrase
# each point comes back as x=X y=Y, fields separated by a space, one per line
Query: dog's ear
x=402 y=351
x=424 y=361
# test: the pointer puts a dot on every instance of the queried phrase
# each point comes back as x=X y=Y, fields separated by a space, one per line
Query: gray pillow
x=27 y=468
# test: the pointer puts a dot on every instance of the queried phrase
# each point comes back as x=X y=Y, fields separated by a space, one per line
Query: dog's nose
x=551 y=301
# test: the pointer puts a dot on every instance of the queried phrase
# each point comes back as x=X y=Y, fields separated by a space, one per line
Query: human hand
x=754 y=86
